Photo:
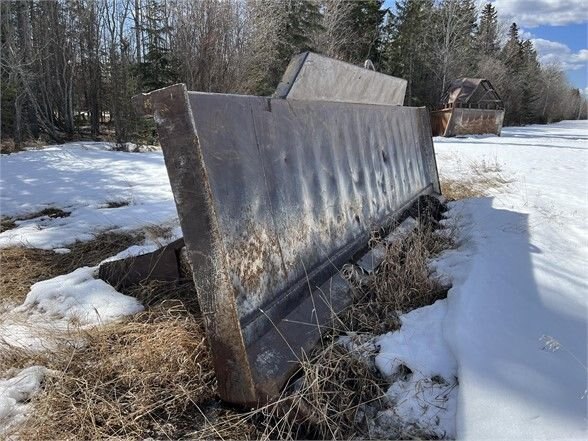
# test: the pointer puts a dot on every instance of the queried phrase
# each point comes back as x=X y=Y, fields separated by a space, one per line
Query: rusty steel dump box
x=470 y=106
x=274 y=195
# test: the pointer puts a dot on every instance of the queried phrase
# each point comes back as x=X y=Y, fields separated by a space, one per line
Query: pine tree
x=280 y=30
x=512 y=53
x=157 y=69
x=364 y=22
x=405 y=50
x=530 y=78
x=487 y=35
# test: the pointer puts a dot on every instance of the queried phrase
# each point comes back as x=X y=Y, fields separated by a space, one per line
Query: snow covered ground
x=513 y=329
x=85 y=180
x=520 y=275
x=81 y=179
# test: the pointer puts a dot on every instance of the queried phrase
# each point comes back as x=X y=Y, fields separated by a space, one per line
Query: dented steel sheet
x=311 y=76
x=296 y=181
x=274 y=196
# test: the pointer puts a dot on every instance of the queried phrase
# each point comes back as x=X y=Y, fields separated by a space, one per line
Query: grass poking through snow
x=22 y=267
x=152 y=375
x=130 y=380
x=482 y=177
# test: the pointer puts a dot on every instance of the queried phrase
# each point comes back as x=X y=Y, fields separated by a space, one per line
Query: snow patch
x=423 y=372
x=82 y=178
x=519 y=274
x=16 y=392
x=79 y=297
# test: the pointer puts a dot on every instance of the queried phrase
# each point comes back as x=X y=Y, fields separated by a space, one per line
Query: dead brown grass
x=131 y=380
x=8 y=146
x=21 y=267
x=6 y=223
x=401 y=283
x=331 y=398
x=454 y=189
x=483 y=177
x=152 y=375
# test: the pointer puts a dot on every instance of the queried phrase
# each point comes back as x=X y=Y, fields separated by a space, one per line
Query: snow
x=519 y=275
x=78 y=295
x=427 y=396
x=513 y=329
x=55 y=307
x=81 y=179
x=15 y=394
x=418 y=345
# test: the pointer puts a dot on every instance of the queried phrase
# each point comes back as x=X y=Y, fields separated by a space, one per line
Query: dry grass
x=8 y=146
x=153 y=292
x=117 y=203
x=152 y=375
x=401 y=283
x=331 y=398
x=6 y=223
x=21 y=267
x=131 y=380
x=483 y=177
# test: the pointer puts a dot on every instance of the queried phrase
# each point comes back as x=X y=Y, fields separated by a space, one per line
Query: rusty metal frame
x=254 y=351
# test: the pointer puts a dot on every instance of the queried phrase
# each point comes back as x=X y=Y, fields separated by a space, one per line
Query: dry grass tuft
x=8 y=146
x=455 y=189
x=22 y=267
x=401 y=283
x=6 y=223
x=154 y=292
x=483 y=177
x=331 y=398
x=131 y=380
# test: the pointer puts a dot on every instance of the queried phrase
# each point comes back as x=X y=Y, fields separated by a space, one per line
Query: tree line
x=70 y=67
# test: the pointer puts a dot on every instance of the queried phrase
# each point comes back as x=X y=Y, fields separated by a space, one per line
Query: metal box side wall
x=199 y=221
x=466 y=121
x=314 y=77
x=439 y=121
x=294 y=182
x=270 y=190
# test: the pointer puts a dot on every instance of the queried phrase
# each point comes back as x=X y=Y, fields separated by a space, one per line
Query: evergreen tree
x=405 y=50
x=512 y=53
x=157 y=69
x=530 y=78
x=364 y=22
x=280 y=31
x=487 y=35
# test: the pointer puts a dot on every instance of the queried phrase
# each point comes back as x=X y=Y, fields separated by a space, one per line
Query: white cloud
x=550 y=52
x=532 y=13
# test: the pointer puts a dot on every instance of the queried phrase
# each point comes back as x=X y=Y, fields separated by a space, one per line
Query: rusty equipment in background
x=469 y=106
x=275 y=195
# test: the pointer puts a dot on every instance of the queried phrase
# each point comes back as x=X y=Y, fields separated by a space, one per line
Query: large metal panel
x=314 y=77
x=274 y=196
x=465 y=121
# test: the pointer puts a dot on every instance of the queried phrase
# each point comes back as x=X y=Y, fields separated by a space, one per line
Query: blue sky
x=557 y=28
